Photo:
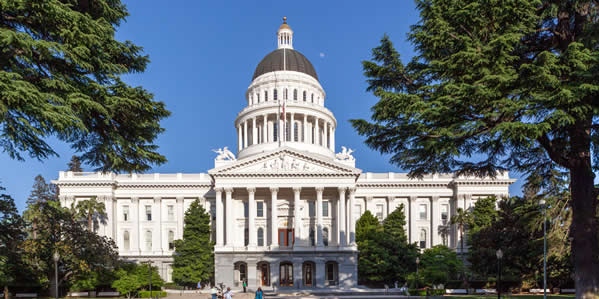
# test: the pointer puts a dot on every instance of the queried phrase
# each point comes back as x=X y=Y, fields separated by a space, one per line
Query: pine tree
x=395 y=241
x=373 y=259
x=75 y=164
x=60 y=69
x=498 y=85
x=193 y=259
x=12 y=235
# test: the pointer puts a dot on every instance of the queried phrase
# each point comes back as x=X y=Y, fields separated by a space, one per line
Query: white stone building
x=284 y=209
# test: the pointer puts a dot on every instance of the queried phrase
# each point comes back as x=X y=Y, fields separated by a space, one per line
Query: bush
x=155 y=294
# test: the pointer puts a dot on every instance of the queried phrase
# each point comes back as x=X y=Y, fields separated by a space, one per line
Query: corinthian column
x=274 y=226
x=318 y=209
x=297 y=217
x=252 y=216
x=341 y=216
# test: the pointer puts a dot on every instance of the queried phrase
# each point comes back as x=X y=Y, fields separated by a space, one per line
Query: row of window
x=287 y=237
x=275 y=96
x=286 y=278
x=148 y=240
x=311 y=209
x=298 y=136
x=170 y=213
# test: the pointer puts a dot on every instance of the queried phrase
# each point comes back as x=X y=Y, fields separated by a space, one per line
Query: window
x=246 y=237
x=423 y=238
x=149 y=213
x=125 y=213
x=444 y=212
x=275 y=132
x=295 y=131
x=304 y=95
x=379 y=211
x=170 y=212
x=285 y=237
x=295 y=94
x=311 y=209
x=275 y=95
x=171 y=240
x=325 y=236
x=148 y=240
x=331 y=273
x=285 y=94
x=325 y=209
x=258 y=97
x=422 y=211
x=259 y=209
x=312 y=96
x=245 y=209
x=312 y=239
x=260 y=236
x=242 y=272
x=266 y=95
x=126 y=241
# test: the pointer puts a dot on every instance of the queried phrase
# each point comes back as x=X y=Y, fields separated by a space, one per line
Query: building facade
x=284 y=207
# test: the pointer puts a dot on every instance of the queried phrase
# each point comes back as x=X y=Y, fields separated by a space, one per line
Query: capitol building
x=285 y=202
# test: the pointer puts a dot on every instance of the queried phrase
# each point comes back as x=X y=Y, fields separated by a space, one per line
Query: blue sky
x=203 y=55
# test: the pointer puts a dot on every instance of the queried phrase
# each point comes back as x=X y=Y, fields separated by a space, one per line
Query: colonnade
x=298 y=127
x=343 y=216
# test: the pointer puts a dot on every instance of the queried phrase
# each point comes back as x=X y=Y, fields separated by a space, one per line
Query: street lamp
x=56 y=257
x=544 y=209
x=499 y=254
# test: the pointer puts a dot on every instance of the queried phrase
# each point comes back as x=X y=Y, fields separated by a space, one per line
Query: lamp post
x=56 y=257
x=499 y=254
x=543 y=205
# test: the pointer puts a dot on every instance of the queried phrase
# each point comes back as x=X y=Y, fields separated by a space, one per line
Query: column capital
x=342 y=190
x=251 y=189
x=135 y=199
x=274 y=189
x=228 y=189
x=219 y=189
x=297 y=189
x=369 y=198
x=319 y=189
x=352 y=191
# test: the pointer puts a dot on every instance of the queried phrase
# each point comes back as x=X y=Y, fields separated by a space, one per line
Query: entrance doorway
x=264 y=274
x=286 y=274
x=308 y=274
x=286 y=236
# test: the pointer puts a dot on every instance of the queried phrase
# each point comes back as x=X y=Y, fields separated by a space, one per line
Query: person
x=213 y=291
x=245 y=285
x=259 y=294
x=199 y=286
x=228 y=294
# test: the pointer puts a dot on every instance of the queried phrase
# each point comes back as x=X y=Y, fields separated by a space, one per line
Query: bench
x=78 y=294
x=109 y=294
x=26 y=295
x=456 y=291
x=567 y=291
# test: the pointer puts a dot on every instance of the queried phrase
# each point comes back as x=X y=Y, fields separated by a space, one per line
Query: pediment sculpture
x=224 y=154
x=345 y=154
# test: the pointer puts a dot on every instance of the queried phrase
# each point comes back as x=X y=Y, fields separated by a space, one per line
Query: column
x=318 y=210
x=297 y=217
x=341 y=218
x=435 y=217
x=305 y=131
x=135 y=218
x=245 y=133
x=229 y=216
x=291 y=125
x=254 y=131
x=352 y=220
x=180 y=214
x=239 y=138
x=220 y=218
x=158 y=225
x=264 y=131
x=252 y=216
x=368 y=205
x=413 y=234
x=274 y=224
x=316 y=132
x=325 y=133
x=332 y=138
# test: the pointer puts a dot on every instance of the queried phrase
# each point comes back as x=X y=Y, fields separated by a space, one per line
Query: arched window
x=260 y=236
x=148 y=240
x=423 y=238
x=171 y=240
x=275 y=95
x=126 y=242
x=304 y=95
x=325 y=236
x=295 y=94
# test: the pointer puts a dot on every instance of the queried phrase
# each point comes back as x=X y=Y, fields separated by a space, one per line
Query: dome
x=285 y=60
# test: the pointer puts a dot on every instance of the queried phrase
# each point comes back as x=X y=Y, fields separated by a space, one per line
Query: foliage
x=131 y=278
x=461 y=219
x=126 y=283
x=395 y=241
x=11 y=237
x=91 y=212
x=193 y=259
x=498 y=85
x=75 y=164
x=483 y=214
x=60 y=69
x=438 y=265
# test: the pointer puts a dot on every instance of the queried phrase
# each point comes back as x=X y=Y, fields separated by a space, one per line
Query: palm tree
x=91 y=211
x=461 y=219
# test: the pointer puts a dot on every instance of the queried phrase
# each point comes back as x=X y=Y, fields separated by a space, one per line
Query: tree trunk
x=5 y=292
x=585 y=244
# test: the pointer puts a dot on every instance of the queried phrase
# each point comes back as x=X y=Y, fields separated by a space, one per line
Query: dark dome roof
x=295 y=62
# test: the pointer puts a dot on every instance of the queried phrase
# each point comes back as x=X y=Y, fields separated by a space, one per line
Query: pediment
x=285 y=161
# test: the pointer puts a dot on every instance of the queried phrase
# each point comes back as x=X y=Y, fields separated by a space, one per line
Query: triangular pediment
x=285 y=161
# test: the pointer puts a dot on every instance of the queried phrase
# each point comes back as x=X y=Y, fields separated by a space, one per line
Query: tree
x=439 y=264
x=60 y=69
x=75 y=164
x=132 y=277
x=461 y=219
x=495 y=86
x=193 y=259
x=11 y=237
x=401 y=254
x=91 y=212
x=373 y=259
x=41 y=193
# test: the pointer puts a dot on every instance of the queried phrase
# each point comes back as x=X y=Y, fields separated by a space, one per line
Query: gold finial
x=284 y=20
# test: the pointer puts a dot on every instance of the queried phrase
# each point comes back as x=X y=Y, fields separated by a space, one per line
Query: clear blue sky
x=203 y=55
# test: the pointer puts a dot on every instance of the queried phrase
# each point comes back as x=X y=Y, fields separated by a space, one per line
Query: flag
x=283 y=115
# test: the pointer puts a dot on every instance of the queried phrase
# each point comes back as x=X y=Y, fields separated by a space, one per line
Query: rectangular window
x=286 y=237
x=125 y=213
x=259 y=209
x=422 y=210
x=379 y=211
x=149 y=213
x=311 y=212
x=246 y=212
x=275 y=132
x=330 y=272
x=170 y=212
x=148 y=240
x=325 y=209
x=422 y=238
x=444 y=212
